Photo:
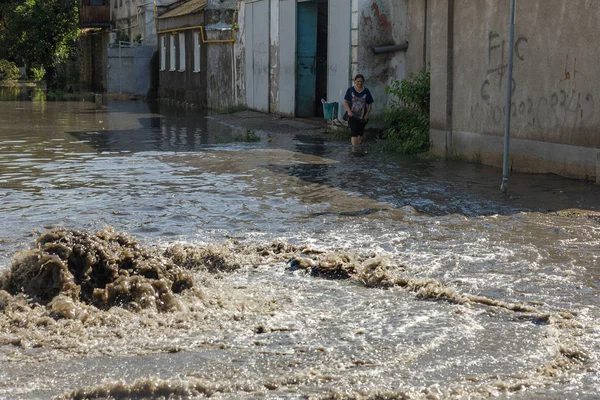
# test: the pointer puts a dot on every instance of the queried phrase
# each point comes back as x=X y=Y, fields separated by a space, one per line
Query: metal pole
x=120 y=69
x=511 y=48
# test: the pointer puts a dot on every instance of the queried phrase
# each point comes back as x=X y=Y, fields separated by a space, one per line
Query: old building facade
x=285 y=56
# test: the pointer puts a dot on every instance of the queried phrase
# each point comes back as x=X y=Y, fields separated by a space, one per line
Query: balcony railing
x=94 y=13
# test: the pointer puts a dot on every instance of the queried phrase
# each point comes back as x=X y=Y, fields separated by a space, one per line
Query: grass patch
x=338 y=134
x=248 y=136
x=233 y=109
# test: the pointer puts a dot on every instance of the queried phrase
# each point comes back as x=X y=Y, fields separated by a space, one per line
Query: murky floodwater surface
x=149 y=252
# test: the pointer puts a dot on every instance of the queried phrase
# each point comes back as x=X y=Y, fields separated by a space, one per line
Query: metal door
x=257 y=54
x=306 y=69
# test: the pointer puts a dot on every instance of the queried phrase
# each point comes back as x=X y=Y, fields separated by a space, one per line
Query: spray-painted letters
x=565 y=107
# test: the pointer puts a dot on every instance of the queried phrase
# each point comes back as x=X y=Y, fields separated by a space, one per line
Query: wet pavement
x=450 y=288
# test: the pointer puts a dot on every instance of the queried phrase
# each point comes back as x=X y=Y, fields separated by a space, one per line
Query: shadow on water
x=439 y=187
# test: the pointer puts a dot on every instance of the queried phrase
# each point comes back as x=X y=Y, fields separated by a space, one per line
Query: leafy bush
x=8 y=70
x=37 y=73
x=248 y=136
x=407 y=118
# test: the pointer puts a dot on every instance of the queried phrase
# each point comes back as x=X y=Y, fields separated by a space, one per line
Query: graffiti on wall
x=564 y=107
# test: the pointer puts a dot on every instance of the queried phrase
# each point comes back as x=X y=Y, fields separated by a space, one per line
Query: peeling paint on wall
x=381 y=23
x=375 y=29
x=240 y=57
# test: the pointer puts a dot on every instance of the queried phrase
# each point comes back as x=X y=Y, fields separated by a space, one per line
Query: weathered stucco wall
x=93 y=65
x=220 y=72
x=418 y=36
x=239 y=55
x=338 y=52
x=286 y=71
x=555 y=107
x=381 y=23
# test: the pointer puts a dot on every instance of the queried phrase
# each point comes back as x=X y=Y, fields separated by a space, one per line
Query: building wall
x=555 y=119
x=239 y=55
x=129 y=69
x=220 y=68
x=137 y=17
x=286 y=78
x=418 y=35
x=184 y=87
x=93 y=61
x=339 y=47
x=380 y=23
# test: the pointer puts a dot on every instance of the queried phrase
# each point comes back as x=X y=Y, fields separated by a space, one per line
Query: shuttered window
x=182 y=52
x=172 y=59
x=163 y=53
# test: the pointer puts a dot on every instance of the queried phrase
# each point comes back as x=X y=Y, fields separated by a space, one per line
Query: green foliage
x=337 y=134
x=233 y=109
x=37 y=73
x=8 y=70
x=41 y=32
x=122 y=36
x=407 y=118
x=248 y=136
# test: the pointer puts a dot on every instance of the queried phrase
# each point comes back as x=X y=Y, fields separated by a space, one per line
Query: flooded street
x=317 y=273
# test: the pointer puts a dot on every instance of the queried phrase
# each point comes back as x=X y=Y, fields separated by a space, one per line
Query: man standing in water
x=358 y=102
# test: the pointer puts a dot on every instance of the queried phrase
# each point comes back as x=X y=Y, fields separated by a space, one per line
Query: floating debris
x=104 y=269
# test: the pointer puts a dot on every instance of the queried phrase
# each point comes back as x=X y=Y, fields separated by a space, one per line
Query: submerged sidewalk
x=257 y=121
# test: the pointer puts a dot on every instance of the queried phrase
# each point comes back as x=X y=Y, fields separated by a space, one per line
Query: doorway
x=311 y=63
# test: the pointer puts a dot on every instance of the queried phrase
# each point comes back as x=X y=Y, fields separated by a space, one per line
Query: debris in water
x=104 y=269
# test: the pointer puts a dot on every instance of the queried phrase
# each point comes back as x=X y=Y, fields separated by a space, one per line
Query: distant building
x=196 y=41
x=94 y=21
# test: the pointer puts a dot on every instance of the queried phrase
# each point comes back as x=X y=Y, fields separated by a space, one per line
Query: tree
x=41 y=32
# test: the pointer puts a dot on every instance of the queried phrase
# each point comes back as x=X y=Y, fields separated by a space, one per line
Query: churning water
x=149 y=253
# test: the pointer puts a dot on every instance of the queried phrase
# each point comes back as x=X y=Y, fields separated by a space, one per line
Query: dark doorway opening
x=322 y=30
x=311 y=68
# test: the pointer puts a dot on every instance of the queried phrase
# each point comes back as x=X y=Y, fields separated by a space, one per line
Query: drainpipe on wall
x=449 y=77
x=425 y=38
x=390 y=49
x=511 y=50
x=598 y=167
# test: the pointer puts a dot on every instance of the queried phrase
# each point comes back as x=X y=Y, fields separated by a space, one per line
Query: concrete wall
x=129 y=69
x=418 y=35
x=380 y=23
x=339 y=72
x=239 y=56
x=555 y=117
x=287 y=58
x=93 y=61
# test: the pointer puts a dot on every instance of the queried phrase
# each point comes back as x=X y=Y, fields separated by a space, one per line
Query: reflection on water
x=476 y=300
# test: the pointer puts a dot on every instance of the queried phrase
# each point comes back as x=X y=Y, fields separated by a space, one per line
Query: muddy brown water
x=331 y=275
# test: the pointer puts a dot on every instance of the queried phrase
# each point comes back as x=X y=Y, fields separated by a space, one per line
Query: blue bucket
x=330 y=110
